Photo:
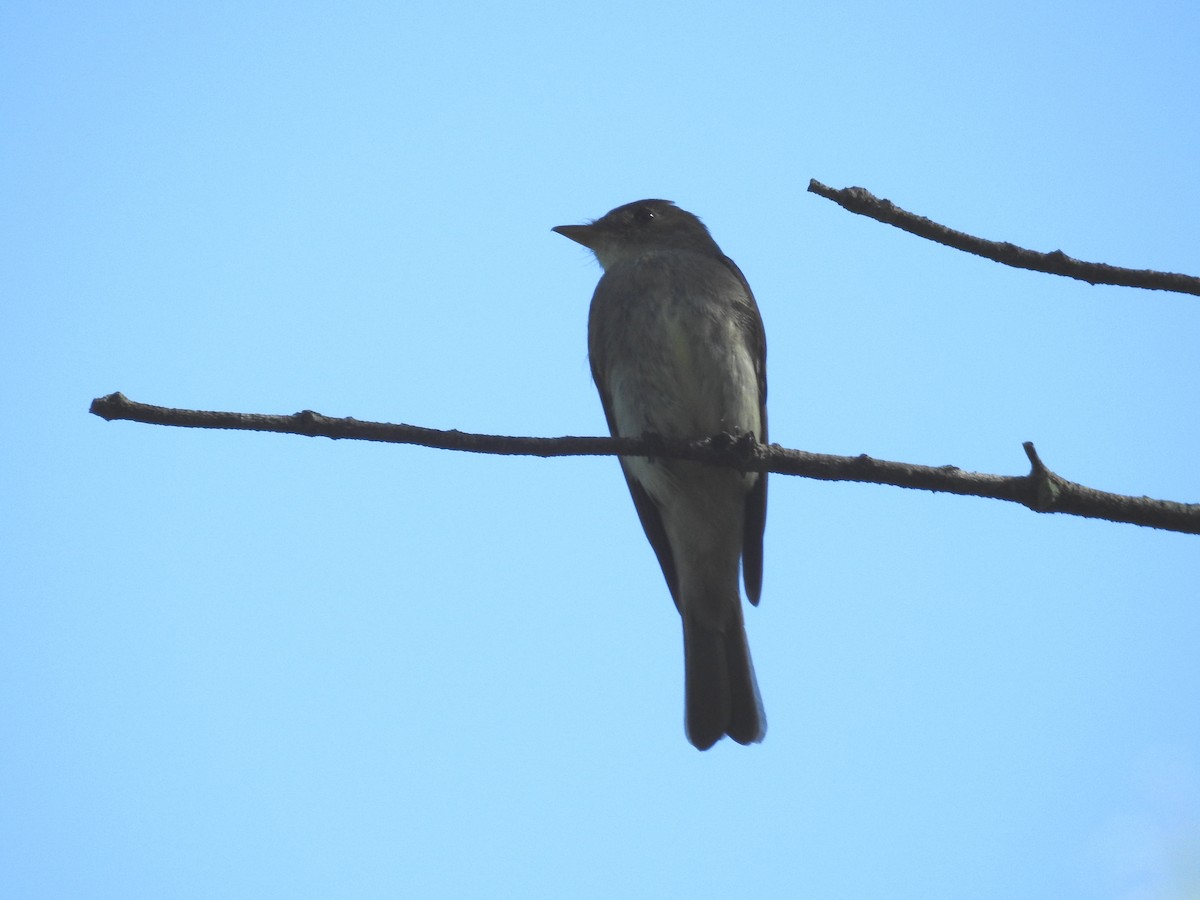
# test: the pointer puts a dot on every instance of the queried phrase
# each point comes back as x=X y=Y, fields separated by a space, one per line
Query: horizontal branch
x=861 y=201
x=1041 y=490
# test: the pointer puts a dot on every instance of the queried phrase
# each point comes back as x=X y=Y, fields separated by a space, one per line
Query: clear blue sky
x=250 y=665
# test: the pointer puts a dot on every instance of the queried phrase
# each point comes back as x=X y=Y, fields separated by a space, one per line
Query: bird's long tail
x=722 y=692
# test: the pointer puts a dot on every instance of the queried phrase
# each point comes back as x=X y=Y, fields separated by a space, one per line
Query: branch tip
x=110 y=406
x=1046 y=489
x=1034 y=460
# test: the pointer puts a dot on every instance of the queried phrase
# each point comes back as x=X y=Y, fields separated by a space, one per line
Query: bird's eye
x=643 y=214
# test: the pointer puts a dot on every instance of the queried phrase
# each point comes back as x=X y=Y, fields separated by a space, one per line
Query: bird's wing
x=647 y=510
x=751 y=326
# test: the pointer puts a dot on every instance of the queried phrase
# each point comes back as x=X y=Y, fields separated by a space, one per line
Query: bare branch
x=1041 y=490
x=861 y=201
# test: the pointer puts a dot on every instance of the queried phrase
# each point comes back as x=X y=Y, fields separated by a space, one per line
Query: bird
x=677 y=349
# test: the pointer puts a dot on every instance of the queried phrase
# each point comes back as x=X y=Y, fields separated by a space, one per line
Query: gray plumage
x=677 y=349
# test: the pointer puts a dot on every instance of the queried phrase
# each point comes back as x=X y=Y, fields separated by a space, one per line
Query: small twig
x=861 y=201
x=1041 y=490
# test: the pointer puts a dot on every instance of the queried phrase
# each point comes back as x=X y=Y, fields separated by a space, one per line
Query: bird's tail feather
x=722 y=692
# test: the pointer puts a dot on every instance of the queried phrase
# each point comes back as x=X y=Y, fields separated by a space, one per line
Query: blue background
x=251 y=665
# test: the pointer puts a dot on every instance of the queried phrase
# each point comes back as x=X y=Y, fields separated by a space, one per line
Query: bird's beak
x=580 y=234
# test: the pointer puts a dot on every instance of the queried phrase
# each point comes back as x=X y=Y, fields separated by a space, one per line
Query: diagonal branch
x=861 y=201
x=1041 y=490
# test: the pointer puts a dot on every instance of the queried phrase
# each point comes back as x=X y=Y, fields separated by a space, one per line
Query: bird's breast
x=675 y=359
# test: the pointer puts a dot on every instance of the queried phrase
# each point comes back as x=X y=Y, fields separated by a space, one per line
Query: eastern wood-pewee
x=677 y=349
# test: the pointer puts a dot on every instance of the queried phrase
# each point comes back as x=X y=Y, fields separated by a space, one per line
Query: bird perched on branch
x=677 y=349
